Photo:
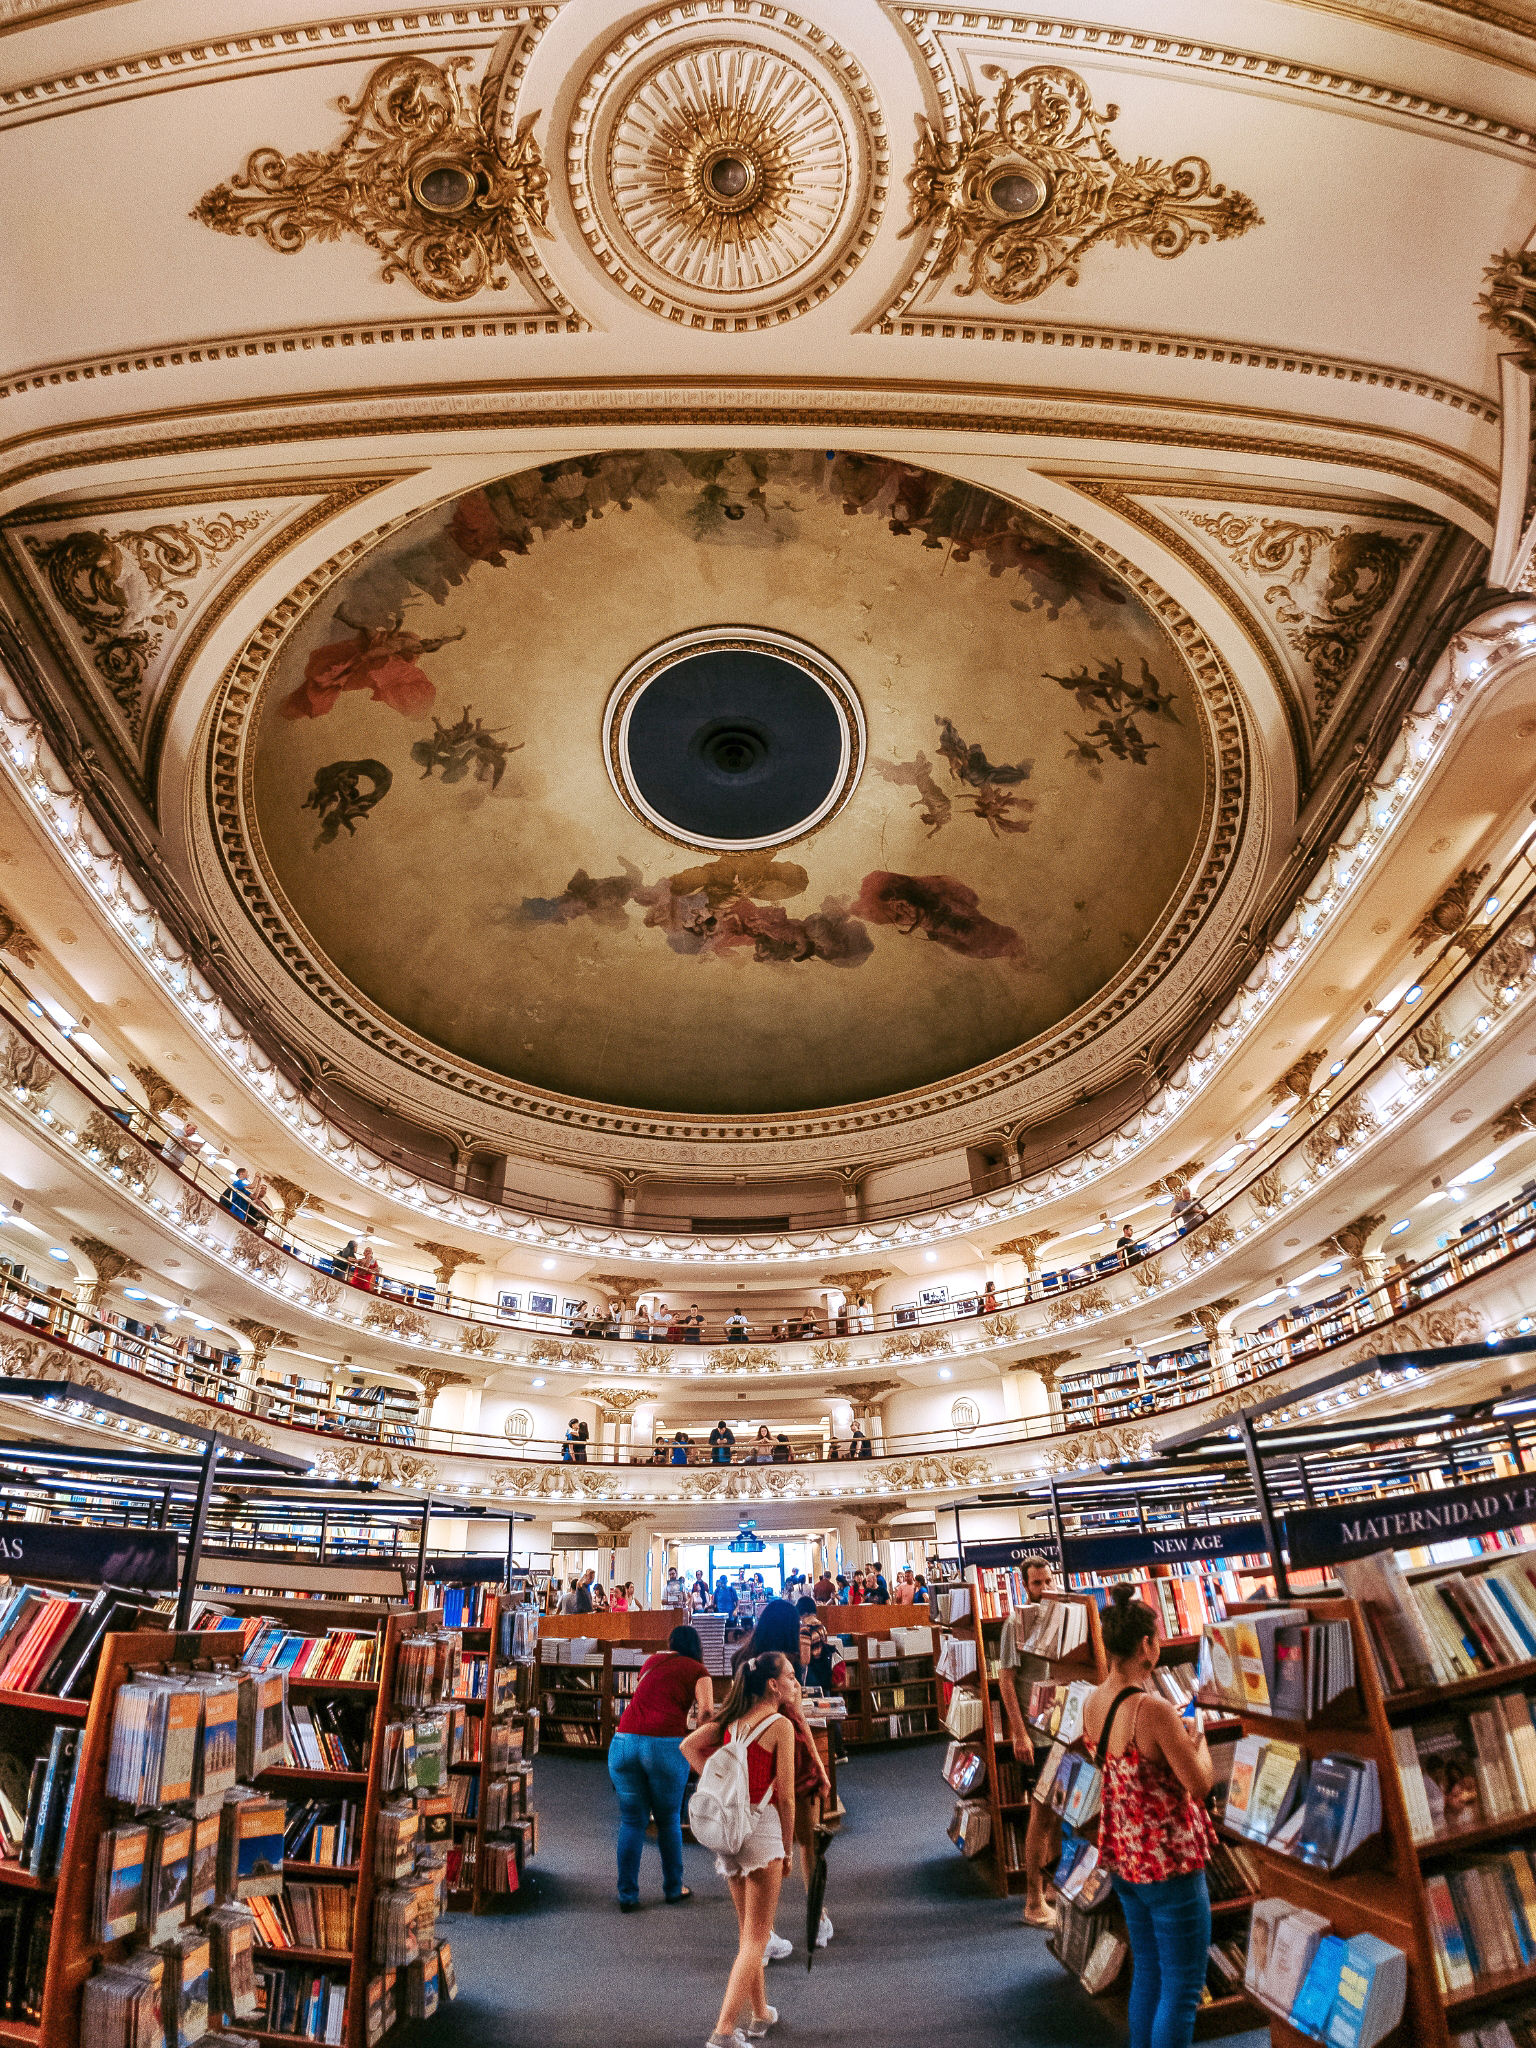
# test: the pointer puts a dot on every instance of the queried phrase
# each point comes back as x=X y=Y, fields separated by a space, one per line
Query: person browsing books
x=764 y=1691
x=778 y=1628
x=1042 y=1837
x=646 y=1765
x=1154 y=1832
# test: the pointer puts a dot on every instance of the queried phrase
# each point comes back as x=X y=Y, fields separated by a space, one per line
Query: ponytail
x=750 y=1686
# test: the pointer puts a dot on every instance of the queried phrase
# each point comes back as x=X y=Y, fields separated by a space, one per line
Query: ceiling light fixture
x=1398 y=1228
x=57 y=1251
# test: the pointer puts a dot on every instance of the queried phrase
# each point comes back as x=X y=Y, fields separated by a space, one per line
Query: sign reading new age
x=1121 y=1550
x=1333 y=1535
x=139 y=1560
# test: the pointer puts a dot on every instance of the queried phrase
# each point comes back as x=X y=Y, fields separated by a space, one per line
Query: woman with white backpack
x=744 y=1808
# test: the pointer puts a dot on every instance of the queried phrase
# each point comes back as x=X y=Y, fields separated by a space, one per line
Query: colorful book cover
x=1314 y=2001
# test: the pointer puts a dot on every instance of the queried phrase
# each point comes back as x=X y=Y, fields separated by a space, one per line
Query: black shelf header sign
x=139 y=1560
x=1319 y=1536
x=1017 y=1552
x=1122 y=1550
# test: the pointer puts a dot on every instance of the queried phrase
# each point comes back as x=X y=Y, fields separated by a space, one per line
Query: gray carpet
x=920 y=1947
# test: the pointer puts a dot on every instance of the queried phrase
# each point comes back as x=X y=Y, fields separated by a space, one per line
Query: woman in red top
x=763 y=1694
x=1154 y=1832
x=646 y=1765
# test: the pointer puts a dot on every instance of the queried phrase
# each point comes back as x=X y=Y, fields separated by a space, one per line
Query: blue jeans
x=649 y=1776
x=1170 y=1929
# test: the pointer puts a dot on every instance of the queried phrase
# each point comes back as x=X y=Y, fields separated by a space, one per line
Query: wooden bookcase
x=600 y=1703
x=1087 y=1661
x=873 y=1624
x=487 y=1636
x=1380 y=1890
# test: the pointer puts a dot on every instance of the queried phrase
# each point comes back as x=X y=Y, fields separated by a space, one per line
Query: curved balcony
x=1475 y=663
x=1437 y=1303
x=1469 y=994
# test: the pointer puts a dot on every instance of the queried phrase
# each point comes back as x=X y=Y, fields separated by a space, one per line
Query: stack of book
x=1468 y=1770
x=1268 y=1778
x=301 y=2000
x=1061 y=1629
x=1183 y=1606
x=1482 y=1918
x=315 y=1916
x=1057 y=1710
x=1450 y=1626
x=323 y=1832
x=1069 y=1785
x=342 y=1655
x=466 y=1606
x=1348 y=1993
x=51 y=1645
x=330 y=1734
x=34 y=1808
x=1276 y=1662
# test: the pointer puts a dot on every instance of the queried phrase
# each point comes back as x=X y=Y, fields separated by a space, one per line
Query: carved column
x=1215 y=1321
x=446 y=1261
x=615 y=1416
x=109 y=1264
x=1021 y=1256
x=1370 y=1266
x=1046 y=1368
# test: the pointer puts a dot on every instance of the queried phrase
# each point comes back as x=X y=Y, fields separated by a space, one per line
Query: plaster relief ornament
x=731 y=180
x=421 y=175
x=125 y=591
x=1332 y=585
x=1029 y=180
x=1509 y=302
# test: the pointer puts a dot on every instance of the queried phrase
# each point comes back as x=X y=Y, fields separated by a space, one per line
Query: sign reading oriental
x=1317 y=1536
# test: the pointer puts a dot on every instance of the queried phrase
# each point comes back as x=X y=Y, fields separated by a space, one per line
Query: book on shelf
x=965 y=1768
x=1342 y=1809
x=970 y=1826
x=26 y=1931
x=1464 y=1770
x=340 y=1656
x=323 y=1831
x=301 y=2000
x=1231 y=1872
x=1105 y=1962
x=1242 y=1654
x=1061 y=1628
x=1267 y=1780
x=1483 y=1917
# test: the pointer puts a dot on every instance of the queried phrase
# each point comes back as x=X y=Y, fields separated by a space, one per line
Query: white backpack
x=721 y=1813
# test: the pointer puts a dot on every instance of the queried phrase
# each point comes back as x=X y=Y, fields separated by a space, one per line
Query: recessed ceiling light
x=58 y=1252
x=1398 y=1228
x=549 y=1265
x=536 y=1383
x=1414 y=993
x=931 y=1257
x=944 y=1372
x=135 y=1294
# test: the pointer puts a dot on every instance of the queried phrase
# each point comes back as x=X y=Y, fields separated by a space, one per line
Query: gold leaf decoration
x=1332 y=584
x=420 y=176
x=1031 y=182
x=15 y=938
x=1508 y=302
x=1450 y=911
x=125 y=591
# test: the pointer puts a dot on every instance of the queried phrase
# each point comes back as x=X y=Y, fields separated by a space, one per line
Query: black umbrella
x=815 y=1892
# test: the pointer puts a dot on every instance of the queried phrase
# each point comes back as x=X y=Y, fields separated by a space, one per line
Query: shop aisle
x=921 y=1952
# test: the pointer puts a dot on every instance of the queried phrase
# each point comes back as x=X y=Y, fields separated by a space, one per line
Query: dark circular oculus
x=734 y=745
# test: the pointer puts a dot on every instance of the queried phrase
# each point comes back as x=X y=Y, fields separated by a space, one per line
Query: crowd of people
x=847 y=1440
x=746 y=1596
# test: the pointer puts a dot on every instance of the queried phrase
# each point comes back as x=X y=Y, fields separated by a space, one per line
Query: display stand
x=873 y=1684
x=581 y=1703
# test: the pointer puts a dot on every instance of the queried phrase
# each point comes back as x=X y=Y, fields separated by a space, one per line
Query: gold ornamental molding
x=1016 y=189
x=728 y=170
x=296 y=45
x=1508 y=301
x=423 y=175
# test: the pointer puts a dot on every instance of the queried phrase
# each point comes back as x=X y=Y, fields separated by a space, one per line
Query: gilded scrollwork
x=24 y=1072
x=124 y=591
x=1508 y=301
x=1333 y=583
x=1451 y=912
x=1030 y=181
x=421 y=175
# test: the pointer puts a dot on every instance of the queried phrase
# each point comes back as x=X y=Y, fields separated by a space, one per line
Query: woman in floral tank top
x=1154 y=1832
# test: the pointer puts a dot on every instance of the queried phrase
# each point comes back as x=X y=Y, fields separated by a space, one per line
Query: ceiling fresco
x=435 y=806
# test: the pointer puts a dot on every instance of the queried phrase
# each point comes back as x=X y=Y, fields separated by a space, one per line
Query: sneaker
x=777 y=1948
x=824 y=1932
x=734 y=2039
x=757 y=2028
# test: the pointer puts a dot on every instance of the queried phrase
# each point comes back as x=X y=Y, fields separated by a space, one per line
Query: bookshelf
x=873 y=1680
x=580 y=1704
x=1010 y=1817
x=511 y=1683
x=1380 y=1889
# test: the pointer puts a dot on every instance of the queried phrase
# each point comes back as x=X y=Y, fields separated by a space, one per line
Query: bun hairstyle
x=1126 y=1623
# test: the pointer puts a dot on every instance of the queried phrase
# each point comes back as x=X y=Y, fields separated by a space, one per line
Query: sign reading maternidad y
x=1315 y=1536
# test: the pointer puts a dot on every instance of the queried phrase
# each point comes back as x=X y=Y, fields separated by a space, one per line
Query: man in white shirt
x=674 y=1593
x=1042 y=1839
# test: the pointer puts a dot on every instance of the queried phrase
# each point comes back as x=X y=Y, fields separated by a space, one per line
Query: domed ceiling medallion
x=728 y=182
x=732 y=739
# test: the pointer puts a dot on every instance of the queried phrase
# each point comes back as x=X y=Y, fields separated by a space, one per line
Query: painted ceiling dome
x=729 y=783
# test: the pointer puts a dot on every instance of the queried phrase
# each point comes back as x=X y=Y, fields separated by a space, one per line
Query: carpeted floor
x=921 y=1951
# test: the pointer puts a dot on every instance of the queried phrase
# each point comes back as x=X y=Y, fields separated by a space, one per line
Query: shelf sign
x=1113 y=1553
x=139 y=1560
x=1018 y=1552
x=1331 y=1535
